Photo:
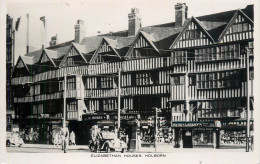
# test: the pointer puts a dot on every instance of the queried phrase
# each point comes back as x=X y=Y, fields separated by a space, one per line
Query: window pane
x=239 y=29
x=234 y=27
x=245 y=27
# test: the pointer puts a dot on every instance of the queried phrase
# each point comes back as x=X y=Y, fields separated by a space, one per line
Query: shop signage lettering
x=55 y=122
x=94 y=117
x=203 y=129
x=192 y=124
x=126 y=117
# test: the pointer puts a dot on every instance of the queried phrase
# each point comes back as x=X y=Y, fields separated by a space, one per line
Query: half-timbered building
x=193 y=70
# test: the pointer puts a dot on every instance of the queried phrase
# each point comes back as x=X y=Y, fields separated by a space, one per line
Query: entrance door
x=187 y=139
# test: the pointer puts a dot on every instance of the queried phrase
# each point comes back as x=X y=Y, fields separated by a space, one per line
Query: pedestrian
x=56 y=139
x=72 y=138
x=64 y=133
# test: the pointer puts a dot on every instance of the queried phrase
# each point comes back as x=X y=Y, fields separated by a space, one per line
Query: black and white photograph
x=130 y=80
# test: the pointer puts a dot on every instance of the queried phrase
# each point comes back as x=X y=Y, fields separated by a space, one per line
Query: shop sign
x=106 y=122
x=147 y=122
x=94 y=117
x=126 y=116
x=204 y=129
x=132 y=122
x=192 y=124
x=55 y=122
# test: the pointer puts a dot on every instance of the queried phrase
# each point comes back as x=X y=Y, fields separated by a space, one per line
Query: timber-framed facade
x=194 y=70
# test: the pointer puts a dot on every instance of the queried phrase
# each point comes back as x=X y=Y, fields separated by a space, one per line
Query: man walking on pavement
x=64 y=133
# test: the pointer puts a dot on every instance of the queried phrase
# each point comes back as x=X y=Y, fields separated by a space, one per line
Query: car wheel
x=8 y=144
x=123 y=150
x=107 y=149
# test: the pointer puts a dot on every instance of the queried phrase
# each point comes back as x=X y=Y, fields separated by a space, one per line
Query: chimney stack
x=80 y=31
x=54 y=41
x=27 y=37
x=44 y=32
x=134 y=22
x=181 y=14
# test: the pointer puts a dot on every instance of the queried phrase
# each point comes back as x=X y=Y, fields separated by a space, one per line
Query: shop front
x=195 y=134
x=108 y=122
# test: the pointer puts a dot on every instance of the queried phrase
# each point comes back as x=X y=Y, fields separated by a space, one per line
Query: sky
x=100 y=15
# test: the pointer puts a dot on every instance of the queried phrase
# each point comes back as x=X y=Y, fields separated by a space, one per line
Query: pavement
x=161 y=148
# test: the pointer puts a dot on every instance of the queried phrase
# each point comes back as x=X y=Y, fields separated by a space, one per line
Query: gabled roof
x=185 y=27
x=51 y=55
x=159 y=36
x=111 y=43
x=28 y=62
x=149 y=38
x=81 y=50
x=232 y=21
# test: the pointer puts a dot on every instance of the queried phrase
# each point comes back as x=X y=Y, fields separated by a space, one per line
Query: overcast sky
x=101 y=15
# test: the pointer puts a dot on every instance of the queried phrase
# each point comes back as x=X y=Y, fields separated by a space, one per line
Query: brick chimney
x=134 y=22
x=80 y=31
x=54 y=40
x=44 y=40
x=181 y=14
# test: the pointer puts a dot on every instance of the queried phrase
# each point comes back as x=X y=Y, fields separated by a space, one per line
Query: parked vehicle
x=110 y=142
x=13 y=139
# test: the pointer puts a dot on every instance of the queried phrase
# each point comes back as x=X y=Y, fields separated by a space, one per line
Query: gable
x=45 y=58
x=143 y=46
x=105 y=53
x=20 y=69
x=240 y=27
x=73 y=58
x=45 y=63
x=20 y=64
x=193 y=35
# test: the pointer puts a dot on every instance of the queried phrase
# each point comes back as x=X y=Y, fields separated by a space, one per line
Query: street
x=163 y=148
x=40 y=148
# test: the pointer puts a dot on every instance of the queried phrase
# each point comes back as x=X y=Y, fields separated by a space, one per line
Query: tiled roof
x=162 y=36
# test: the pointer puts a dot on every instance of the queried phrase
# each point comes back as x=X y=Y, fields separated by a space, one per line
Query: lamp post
x=248 y=100
x=119 y=101
x=155 y=126
x=64 y=99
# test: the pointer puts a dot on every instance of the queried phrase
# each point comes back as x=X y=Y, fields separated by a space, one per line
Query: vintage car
x=110 y=142
x=13 y=139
